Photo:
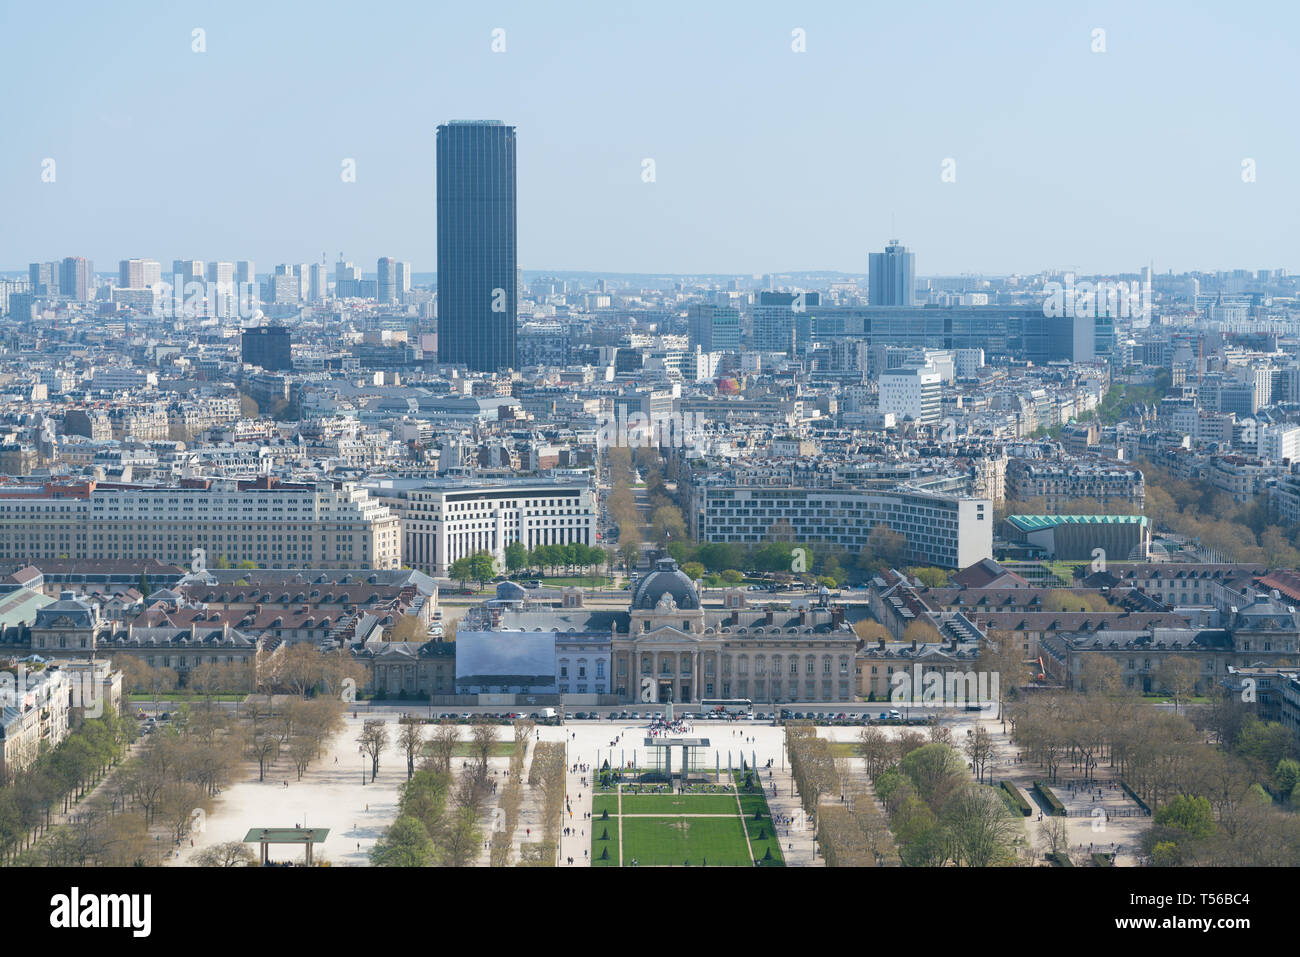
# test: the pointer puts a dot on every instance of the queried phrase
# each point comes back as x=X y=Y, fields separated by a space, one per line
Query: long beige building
x=272 y=524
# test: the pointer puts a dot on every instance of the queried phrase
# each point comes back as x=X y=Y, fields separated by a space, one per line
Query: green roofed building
x=1121 y=538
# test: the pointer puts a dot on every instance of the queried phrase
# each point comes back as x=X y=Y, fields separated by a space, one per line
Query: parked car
x=895 y=714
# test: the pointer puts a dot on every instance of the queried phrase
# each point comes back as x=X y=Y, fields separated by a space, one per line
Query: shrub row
x=1134 y=795
x=1016 y=799
x=1054 y=805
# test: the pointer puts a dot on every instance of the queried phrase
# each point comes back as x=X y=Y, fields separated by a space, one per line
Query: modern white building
x=912 y=394
x=446 y=519
x=1278 y=442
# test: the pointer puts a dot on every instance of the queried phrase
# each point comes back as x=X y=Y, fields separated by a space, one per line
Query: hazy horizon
x=766 y=159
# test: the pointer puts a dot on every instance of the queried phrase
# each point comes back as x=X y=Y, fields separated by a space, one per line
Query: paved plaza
x=331 y=794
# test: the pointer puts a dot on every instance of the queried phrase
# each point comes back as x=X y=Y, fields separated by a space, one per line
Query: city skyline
x=1099 y=178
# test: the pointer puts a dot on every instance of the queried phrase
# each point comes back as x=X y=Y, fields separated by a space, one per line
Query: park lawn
x=751 y=801
x=769 y=840
x=844 y=749
x=143 y=697
x=501 y=749
x=598 y=846
x=678 y=804
x=678 y=841
x=604 y=802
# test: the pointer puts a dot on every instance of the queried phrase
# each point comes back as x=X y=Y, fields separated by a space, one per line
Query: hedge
x=1134 y=795
x=1060 y=859
x=1054 y=806
x=1016 y=798
x=1102 y=860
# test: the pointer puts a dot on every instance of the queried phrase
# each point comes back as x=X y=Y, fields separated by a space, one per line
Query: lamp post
x=362 y=753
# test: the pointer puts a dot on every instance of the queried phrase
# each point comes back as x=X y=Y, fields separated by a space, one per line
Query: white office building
x=446 y=519
x=912 y=394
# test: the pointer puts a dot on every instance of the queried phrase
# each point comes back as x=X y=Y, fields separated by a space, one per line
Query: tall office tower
x=244 y=271
x=477 y=253
x=284 y=286
x=318 y=283
x=75 y=278
x=44 y=278
x=387 y=279
x=892 y=279
x=221 y=288
x=139 y=273
x=345 y=271
x=347 y=280
x=188 y=271
x=714 y=328
x=223 y=274
x=778 y=316
x=266 y=346
x=403 y=280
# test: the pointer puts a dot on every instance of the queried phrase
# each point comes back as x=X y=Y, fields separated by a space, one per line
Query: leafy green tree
x=1191 y=815
x=406 y=843
x=516 y=556
x=693 y=571
x=1286 y=776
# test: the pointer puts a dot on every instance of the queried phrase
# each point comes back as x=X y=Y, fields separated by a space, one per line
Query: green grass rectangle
x=599 y=847
x=693 y=841
x=604 y=802
x=678 y=804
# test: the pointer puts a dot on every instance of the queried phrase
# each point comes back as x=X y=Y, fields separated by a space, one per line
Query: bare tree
x=484 y=736
x=1055 y=833
x=226 y=854
x=374 y=742
x=979 y=748
x=411 y=741
x=446 y=738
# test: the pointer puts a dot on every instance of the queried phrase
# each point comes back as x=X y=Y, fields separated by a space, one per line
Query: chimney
x=837 y=616
x=771 y=616
x=882 y=644
x=914 y=644
x=735 y=618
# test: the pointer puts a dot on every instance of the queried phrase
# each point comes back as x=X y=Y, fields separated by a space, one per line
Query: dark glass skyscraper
x=477 y=284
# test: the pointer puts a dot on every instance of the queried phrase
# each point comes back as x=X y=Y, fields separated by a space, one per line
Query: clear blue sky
x=766 y=159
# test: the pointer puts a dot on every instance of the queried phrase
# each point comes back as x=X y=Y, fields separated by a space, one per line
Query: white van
x=546 y=712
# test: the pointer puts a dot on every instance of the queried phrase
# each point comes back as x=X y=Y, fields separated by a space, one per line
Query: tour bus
x=732 y=707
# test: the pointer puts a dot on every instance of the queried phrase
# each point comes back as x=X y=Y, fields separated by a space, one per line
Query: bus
x=735 y=707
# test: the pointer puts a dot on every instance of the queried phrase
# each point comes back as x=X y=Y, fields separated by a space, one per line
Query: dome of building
x=666 y=581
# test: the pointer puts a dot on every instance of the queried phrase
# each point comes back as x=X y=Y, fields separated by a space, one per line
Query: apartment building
x=269 y=523
x=1062 y=483
x=33 y=717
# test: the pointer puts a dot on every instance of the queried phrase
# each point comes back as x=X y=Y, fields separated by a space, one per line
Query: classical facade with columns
x=677 y=650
